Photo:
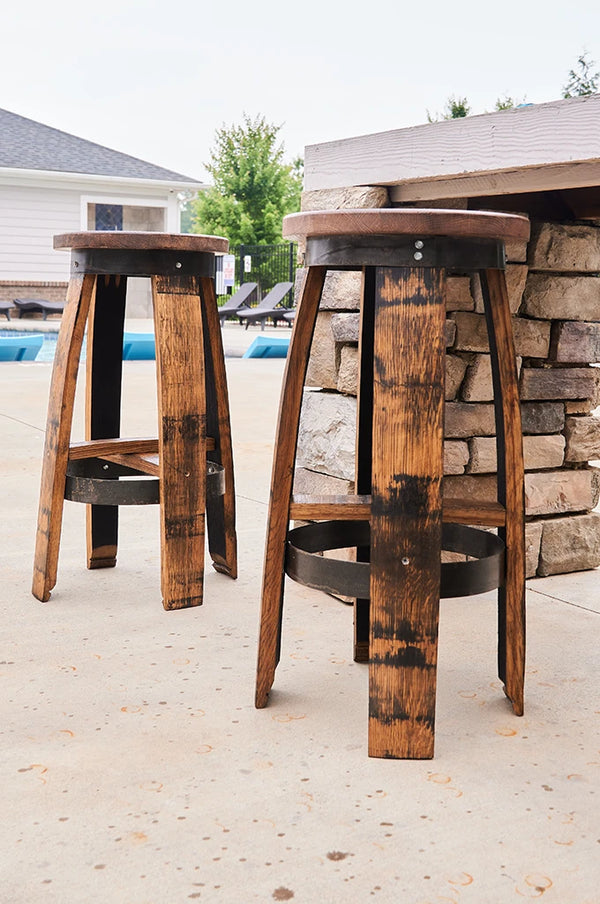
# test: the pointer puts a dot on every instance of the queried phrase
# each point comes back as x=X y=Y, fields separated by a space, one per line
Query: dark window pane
x=109 y=217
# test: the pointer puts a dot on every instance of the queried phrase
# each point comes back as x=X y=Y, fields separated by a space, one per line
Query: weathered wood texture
x=141 y=241
x=58 y=431
x=281 y=483
x=222 y=540
x=187 y=335
x=182 y=432
x=103 y=448
x=364 y=445
x=457 y=223
x=358 y=508
x=544 y=146
x=406 y=511
x=400 y=365
x=511 y=596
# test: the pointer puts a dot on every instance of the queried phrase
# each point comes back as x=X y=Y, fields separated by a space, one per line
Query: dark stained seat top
x=141 y=241
x=407 y=221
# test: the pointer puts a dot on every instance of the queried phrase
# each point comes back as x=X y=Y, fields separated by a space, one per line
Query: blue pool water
x=135 y=346
x=46 y=352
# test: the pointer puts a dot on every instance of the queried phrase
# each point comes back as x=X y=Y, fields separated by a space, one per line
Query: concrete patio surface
x=136 y=770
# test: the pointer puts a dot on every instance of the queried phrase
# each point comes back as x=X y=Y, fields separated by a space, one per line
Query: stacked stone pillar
x=554 y=289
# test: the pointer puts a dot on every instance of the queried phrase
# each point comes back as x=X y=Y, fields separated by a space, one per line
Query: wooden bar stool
x=188 y=469
x=398 y=522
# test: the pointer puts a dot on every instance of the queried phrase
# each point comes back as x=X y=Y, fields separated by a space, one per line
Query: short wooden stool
x=398 y=522
x=188 y=469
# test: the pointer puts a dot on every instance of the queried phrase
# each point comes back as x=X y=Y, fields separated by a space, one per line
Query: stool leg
x=58 y=433
x=509 y=440
x=181 y=438
x=220 y=510
x=104 y=363
x=406 y=510
x=282 y=482
x=364 y=445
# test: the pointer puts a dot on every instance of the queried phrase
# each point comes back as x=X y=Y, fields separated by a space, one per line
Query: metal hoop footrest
x=305 y=565
x=96 y=482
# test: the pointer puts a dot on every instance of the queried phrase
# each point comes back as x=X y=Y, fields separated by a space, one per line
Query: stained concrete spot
x=337 y=855
x=283 y=894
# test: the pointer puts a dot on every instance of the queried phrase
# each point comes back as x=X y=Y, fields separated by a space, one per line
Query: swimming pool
x=136 y=346
x=46 y=353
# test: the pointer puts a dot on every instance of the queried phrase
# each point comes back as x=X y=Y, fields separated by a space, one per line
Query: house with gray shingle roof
x=53 y=182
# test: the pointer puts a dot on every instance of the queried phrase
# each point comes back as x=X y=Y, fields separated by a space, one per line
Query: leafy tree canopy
x=456 y=108
x=505 y=103
x=253 y=189
x=581 y=81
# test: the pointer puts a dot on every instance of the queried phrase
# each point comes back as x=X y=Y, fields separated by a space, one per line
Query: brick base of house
x=49 y=291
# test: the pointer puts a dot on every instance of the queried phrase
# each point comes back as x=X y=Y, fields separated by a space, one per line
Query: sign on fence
x=228 y=270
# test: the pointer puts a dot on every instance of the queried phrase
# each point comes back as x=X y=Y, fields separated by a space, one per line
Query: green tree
x=505 y=103
x=456 y=108
x=253 y=189
x=582 y=81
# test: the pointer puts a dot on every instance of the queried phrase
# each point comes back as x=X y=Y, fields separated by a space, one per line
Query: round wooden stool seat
x=407 y=221
x=142 y=241
x=398 y=521
x=188 y=468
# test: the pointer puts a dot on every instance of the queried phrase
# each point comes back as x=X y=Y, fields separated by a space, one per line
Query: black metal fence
x=266 y=265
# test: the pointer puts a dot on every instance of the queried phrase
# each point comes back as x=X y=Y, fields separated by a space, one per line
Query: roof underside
x=30 y=145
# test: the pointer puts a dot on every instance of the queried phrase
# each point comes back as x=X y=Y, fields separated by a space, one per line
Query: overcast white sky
x=155 y=78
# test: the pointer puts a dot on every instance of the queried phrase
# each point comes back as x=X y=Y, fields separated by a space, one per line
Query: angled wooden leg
x=220 y=510
x=282 y=482
x=364 y=445
x=509 y=440
x=104 y=365
x=58 y=433
x=181 y=437
x=406 y=510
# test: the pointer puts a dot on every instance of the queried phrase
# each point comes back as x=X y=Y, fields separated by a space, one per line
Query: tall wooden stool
x=188 y=469
x=398 y=519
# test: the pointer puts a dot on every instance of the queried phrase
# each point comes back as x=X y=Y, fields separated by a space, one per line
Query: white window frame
x=123 y=202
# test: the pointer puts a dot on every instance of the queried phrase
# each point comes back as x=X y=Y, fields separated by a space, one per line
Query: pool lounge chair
x=269 y=308
x=237 y=300
x=5 y=307
x=35 y=305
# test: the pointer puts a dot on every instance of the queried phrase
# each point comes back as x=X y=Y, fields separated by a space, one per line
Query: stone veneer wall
x=554 y=290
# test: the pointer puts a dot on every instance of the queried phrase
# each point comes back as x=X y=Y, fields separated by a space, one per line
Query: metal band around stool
x=355 y=252
x=96 y=482
x=107 y=262
x=305 y=565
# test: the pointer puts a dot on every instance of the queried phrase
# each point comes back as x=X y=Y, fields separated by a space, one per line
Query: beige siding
x=29 y=218
x=31 y=214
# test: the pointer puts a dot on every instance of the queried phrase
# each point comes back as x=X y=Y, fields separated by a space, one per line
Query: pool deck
x=136 y=770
